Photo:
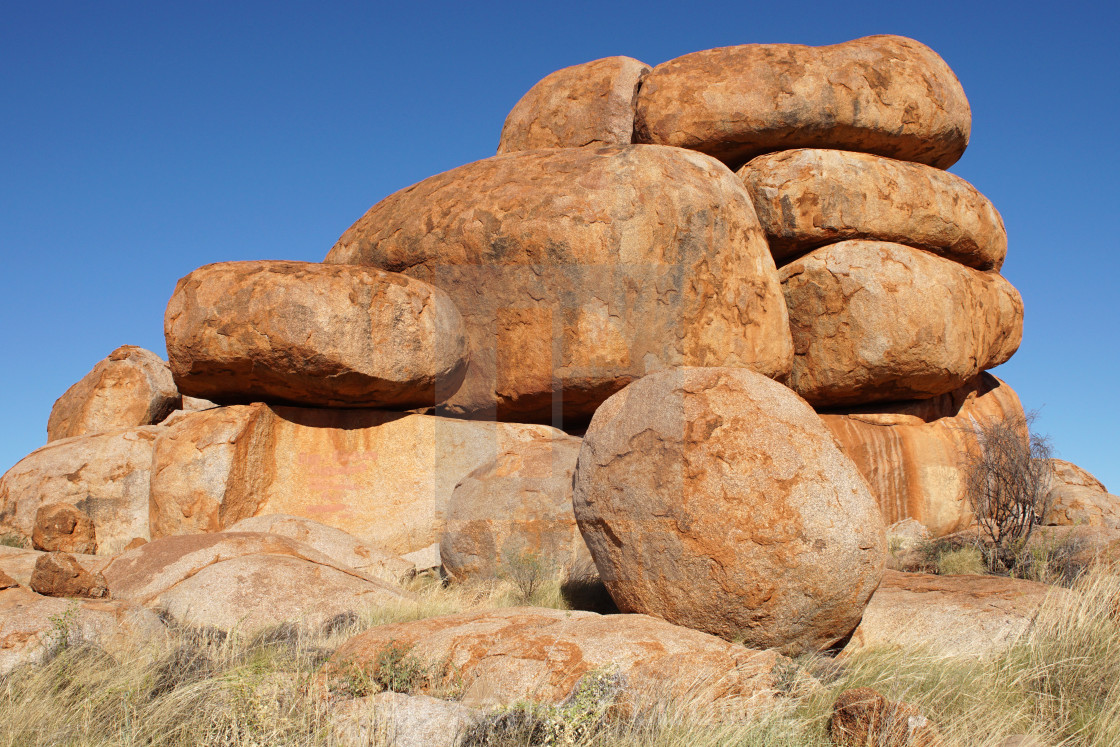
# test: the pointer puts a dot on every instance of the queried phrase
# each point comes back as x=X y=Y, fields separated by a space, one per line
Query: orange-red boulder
x=1078 y=498
x=875 y=321
x=887 y=95
x=578 y=270
x=314 y=334
x=588 y=104
x=716 y=499
x=59 y=574
x=62 y=527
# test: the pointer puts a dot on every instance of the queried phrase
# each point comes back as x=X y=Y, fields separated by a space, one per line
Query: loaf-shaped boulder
x=300 y=332
x=716 y=499
x=588 y=104
x=810 y=197
x=876 y=322
x=131 y=387
x=579 y=270
x=880 y=94
x=915 y=454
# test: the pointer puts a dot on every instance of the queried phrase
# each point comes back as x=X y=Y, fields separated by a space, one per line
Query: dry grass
x=1061 y=684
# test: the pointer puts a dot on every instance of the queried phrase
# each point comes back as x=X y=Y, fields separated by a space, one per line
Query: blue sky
x=141 y=140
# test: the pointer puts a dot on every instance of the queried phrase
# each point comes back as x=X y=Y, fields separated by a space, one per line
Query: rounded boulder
x=716 y=499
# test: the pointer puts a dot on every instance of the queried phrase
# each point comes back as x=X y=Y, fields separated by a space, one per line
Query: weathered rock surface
x=913 y=453
x=588 y=104
x=876 y=322
x=58 y=574
x=862 y=717
x=1078 y=498
x=29 y=625
x=334 y=543
x=6 y=581
x=948 y=615
x=716 y=499
x=887 y=95
x=810 y=197
x=526 y=653
x=61 y=527
x=243 y=580
x=515 y=508
x=105 y=475
x=306 y=333
x=400 y=720
x=131 y=387
x=578 y=270
x=386 y=478
x=20 y=563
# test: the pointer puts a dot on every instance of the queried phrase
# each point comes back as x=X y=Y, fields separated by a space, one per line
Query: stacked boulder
x=705 y=324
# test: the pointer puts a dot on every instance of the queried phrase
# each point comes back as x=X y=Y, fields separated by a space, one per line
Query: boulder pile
x=708 y=325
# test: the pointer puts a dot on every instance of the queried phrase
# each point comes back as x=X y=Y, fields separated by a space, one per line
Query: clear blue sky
x=141 y=140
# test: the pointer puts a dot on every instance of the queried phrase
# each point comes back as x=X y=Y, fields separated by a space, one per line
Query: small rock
x=59 y=574
x=134 y=543
x=61 y=527
x=862 y=717
x=400 y=720
x=6 y=581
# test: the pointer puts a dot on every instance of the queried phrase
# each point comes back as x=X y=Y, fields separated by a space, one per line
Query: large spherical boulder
x=588 y=104
x=880 y=94
x=875 y=321
x=716 y=499
x=313 y=334
x=579 y=270
x=810 y=197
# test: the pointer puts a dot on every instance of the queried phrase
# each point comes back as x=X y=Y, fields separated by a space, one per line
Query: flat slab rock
x=588 y=104
x=306 y=333
x=243 y=580
x=874 y=321
x=579 y=270
x=810 y=197
x=524 y=653
x=887 y=95
x=948 y=615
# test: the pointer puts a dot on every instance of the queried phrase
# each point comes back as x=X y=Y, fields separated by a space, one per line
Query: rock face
x=887 y=95
x=1076 y=497
x=912 y=453
x=516 y=507
x=30 y=625
x=131 y=387
x=588 y=104
x=948 y=615
x=808 y=197
x=105 y=475
x=61 y=527
x=525 y=653
x=242 y=580
x=313 y=334
x=863 y=717
x=334 y=543
x=875 y=321
x=578 y=270
x=716 y=499
x=404 y=720
x=383 y=477
x=59 y=574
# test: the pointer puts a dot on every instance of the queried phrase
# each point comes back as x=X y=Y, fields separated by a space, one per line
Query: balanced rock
x=384 y=477
x=588 y=104
x=887 y=95
x=578 y=270
x=809 y=197
x=948 y=615
x=334 y=543
x=862 y=717
x=516 y=509
x=875 y=321
x=131 y=387
x=315 y=334
x=524 y=653
x=1078 y=498
x=105 y=475
x=31 y=626
x=59 y=574
x=914 y=454
x=243 y=580
x=61 y=527
x=716 y=499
